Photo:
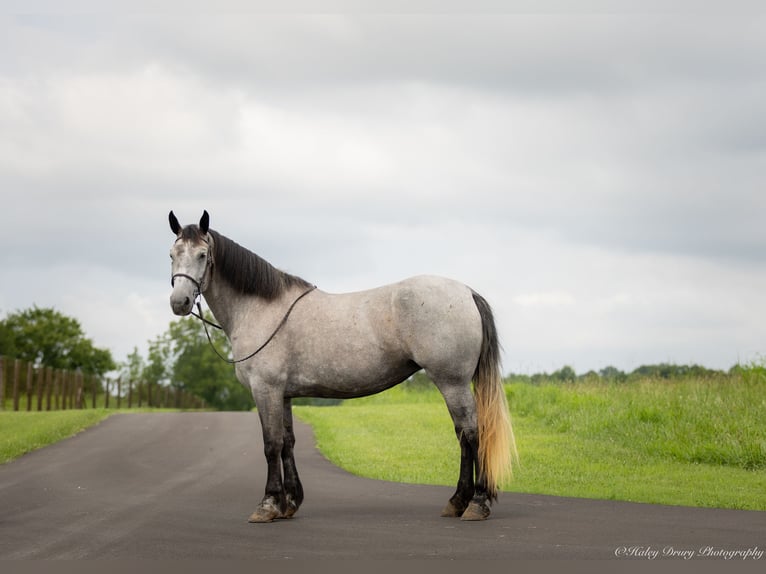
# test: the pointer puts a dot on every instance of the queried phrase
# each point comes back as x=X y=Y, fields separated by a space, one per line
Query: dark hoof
x=476 y=511
x=451 y=511
x=292 y=508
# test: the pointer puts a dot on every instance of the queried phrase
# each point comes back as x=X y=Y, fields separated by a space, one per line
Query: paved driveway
x=182 y=485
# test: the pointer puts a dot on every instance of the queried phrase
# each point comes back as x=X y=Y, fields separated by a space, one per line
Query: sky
x=597 y=176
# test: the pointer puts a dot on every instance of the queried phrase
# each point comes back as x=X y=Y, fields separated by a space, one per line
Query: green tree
x=565 y=374
x=133 y=367
x=613 y=374
x=155 y=371
x=46 y=337
x=195 y=367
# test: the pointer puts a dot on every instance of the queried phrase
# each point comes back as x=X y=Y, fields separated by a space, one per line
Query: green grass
x=690 y=442
x=22 y=432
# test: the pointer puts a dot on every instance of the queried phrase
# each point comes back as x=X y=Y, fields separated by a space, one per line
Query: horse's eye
x=202 y=256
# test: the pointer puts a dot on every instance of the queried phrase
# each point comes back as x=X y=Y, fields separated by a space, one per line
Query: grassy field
x=22 y=432
x=688 y=442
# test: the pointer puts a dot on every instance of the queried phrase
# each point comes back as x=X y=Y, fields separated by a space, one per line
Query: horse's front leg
x=273 y=504
x=292 y=483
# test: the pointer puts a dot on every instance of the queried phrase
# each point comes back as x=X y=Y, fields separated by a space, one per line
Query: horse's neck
x=225 y=303
x=230 y=307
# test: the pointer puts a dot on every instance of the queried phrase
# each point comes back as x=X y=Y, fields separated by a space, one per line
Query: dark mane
x=247 y=272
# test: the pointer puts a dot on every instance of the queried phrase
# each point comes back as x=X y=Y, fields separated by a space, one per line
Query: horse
x=290 y=339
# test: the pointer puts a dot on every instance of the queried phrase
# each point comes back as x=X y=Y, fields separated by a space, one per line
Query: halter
x=197 y=287
x=197 y=293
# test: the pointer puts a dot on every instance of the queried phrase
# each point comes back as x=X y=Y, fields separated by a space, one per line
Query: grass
x=687 y=442
x=22 y=432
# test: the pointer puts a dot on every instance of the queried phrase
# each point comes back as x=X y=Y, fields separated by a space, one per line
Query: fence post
x=79 y=403
x=64 y=390
x=73 y=391
x=106 y=394
x=30 y=384
x=140 y=389
x=48 y=385
x=2 y=384
x=119 y=392
x=40 y=384
x=130 y=394
x=57 y=384
x=16 y=373
x=93 y=387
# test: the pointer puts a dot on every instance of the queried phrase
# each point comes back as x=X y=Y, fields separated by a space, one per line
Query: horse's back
x=366 y=341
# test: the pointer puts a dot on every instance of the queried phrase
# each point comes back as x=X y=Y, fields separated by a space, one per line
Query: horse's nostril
x=186 y=301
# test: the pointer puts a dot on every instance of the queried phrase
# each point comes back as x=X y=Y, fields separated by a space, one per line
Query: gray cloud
x=597 y=176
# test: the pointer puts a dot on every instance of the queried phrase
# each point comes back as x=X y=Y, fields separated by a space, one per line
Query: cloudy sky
x=598 y=177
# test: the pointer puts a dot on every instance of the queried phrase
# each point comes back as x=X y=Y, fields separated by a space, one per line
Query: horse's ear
x=204 y=223
x=174 y=225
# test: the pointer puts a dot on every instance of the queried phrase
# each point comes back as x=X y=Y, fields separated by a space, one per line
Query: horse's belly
x=335 y=384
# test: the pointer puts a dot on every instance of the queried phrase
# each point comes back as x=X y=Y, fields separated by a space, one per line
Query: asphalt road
x=182 y=485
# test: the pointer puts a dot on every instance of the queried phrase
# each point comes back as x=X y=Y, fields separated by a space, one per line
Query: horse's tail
x=497 y=446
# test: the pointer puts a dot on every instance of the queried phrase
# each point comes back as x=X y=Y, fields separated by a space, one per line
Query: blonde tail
x=497 y=445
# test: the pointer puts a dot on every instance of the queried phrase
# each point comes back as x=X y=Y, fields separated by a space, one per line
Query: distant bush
x=610 y=374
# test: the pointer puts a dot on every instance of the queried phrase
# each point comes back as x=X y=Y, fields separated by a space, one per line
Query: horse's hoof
x=292 y=508
x=262 y=515
x=451 y=511
x=476 y=511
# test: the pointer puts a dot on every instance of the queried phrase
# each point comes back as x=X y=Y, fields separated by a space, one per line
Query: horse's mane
x=245 y=271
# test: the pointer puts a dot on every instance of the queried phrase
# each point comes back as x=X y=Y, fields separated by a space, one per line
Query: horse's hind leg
x=465 y=487
x=470 y=494
x=292 y=483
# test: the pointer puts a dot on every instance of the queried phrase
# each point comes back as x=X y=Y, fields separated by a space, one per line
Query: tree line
x=179 y=360
x=610 y=374
x=45 y=337
x=182 y=360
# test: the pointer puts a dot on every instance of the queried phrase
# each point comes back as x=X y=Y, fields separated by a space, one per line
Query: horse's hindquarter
x=361 y=343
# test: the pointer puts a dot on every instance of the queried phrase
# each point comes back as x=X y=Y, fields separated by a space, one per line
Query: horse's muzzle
x=182 y=306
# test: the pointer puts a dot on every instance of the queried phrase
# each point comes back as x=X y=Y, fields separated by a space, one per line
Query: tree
x=565 y=374
x=45 y=337
x=613 y=374
x=196 y=368
x=157 y=368
x=133 y=367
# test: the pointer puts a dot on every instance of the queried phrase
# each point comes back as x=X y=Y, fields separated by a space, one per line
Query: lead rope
x=205 y=323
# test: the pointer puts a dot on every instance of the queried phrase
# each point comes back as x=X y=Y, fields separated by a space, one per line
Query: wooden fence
x=24 y=386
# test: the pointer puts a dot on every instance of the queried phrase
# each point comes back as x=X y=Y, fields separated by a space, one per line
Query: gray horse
x=290 y=340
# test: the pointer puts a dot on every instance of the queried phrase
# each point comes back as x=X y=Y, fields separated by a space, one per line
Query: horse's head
x=191 y=258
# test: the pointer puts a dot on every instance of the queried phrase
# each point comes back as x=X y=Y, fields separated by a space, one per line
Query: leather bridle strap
x=185 y=276
x=198 y=292
x=259 y=349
